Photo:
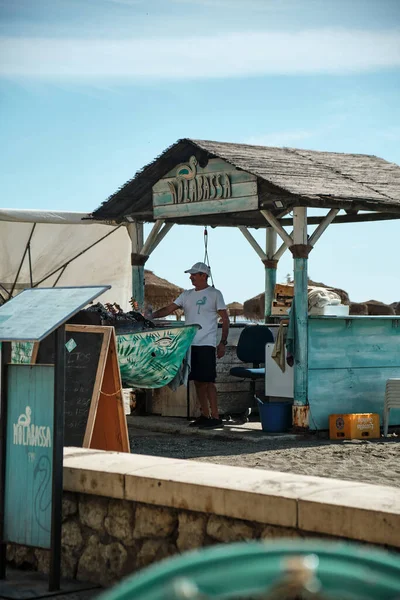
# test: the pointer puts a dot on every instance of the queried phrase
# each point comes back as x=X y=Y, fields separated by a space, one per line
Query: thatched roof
x=157 y=291
x=295 y=177
x=254 y=308
x=235 y=309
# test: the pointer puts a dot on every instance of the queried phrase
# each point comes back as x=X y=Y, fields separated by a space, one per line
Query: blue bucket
x=276 y=417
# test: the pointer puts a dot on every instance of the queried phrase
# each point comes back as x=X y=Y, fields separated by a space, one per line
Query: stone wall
x=104 y=539
x=123 y=512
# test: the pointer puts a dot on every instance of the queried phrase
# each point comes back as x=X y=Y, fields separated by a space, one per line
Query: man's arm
x=225 y=330
x=165 y=311
x=225 y=324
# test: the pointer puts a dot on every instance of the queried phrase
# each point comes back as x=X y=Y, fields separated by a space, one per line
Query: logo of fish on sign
x=26 y=433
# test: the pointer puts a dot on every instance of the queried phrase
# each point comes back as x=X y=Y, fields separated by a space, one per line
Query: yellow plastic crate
x=354 y=426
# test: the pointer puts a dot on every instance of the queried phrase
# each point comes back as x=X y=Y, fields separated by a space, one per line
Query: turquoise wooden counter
x=349 y=361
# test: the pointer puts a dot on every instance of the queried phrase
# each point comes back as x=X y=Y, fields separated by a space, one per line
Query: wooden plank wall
x=349 y=362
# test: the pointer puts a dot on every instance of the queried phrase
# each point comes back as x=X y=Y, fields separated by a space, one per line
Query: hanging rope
x=206 y=257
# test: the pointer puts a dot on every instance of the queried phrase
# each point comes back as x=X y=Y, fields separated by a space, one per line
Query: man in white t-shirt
x=203 y=305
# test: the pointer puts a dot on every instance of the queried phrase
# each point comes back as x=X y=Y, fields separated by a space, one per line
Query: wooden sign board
x=94 y=411
x=29 y=455
x=189 y=190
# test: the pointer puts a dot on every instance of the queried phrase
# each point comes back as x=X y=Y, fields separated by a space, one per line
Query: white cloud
x=225 y=55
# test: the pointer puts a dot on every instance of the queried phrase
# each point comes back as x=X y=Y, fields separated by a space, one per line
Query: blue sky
x=92 y=90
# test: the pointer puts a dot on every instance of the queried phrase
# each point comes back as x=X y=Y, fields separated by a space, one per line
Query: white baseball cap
x=199 y=267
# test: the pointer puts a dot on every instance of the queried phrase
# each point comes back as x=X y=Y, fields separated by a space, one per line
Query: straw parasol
x=253 y=308
x=159 y=292
x=235 y=309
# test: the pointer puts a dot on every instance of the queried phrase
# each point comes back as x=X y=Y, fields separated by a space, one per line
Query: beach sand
x=375 y=461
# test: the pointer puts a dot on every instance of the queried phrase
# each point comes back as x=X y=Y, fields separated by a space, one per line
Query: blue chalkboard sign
x=29 y=455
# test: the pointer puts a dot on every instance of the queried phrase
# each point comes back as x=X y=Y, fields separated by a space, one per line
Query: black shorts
x=203 y=364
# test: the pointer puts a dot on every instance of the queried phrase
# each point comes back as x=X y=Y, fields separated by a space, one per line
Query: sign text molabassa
x=191 y=187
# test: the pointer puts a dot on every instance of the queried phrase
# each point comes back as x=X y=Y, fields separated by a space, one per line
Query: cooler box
x=354 y=426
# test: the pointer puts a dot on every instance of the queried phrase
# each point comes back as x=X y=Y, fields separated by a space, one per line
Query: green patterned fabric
x=147 y=359
x=152 y=358
x=21 y=352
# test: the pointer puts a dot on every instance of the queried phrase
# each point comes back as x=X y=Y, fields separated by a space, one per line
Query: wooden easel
x=106 y=427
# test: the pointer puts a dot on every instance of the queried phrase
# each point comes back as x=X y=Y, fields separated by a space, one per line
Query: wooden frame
x=109 y=431
x=106 y=427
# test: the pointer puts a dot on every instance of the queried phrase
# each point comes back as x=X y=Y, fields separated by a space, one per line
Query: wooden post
x=270 y=271
x=135 y=231
x=5 y=359
x=300 y=250
x=58 y=445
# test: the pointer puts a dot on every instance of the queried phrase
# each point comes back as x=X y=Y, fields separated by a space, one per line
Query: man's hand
x=220 y=350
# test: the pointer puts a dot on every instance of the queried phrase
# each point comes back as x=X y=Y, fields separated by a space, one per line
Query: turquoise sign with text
x=29 y=455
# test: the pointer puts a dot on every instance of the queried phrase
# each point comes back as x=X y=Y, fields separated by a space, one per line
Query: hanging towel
x=278 y=351
x=291 y=332
x=182 y=376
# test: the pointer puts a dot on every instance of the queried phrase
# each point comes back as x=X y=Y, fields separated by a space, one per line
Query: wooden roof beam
x=160 y=236
x=282 y=249
x=151 y=238
x=253 y=243
x=323 y=226
x=273 y=221
x=354 y=218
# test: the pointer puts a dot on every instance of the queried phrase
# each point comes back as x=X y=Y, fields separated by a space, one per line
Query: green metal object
x=152 y=358
x=283 y=569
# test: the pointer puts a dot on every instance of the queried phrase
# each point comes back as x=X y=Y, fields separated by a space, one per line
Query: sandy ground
x=376 y=462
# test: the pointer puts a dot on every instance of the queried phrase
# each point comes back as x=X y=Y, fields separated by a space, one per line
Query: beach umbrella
x=253 y=308
x=235 y=309
x=159 y=292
